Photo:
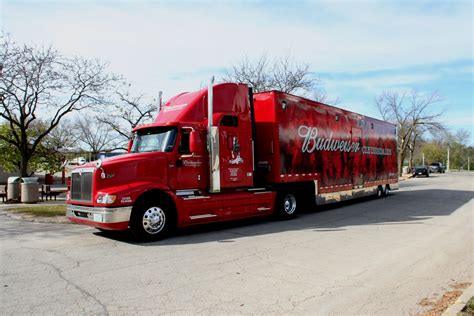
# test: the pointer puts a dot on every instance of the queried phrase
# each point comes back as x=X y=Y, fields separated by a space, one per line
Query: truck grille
x=81 y=186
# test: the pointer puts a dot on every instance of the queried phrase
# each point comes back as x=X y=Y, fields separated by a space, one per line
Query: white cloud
x=376 y=83
x=149 y=43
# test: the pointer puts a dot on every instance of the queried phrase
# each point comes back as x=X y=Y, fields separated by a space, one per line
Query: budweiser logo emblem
x=313 y=142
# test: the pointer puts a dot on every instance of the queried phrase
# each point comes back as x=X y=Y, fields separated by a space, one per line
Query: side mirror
x=195 y=145
x=129 y=147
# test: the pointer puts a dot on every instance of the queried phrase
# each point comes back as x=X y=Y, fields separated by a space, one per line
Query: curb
x=454 y=309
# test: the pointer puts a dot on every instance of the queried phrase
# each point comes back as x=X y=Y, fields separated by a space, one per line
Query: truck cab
x=170 y=176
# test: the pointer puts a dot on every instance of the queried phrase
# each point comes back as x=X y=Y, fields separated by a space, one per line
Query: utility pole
x=447 y=163
x=423 y=156
x=468 y=163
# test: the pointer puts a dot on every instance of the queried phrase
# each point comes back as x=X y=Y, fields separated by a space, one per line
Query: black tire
x=387 y=190
x=427 y=175
x=286 y=206
x=380 y=191
x=151 y=221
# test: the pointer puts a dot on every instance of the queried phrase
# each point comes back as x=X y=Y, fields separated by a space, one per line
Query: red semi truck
x=224 y=153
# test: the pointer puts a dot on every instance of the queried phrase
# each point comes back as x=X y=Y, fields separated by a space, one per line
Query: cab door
x=190 y=167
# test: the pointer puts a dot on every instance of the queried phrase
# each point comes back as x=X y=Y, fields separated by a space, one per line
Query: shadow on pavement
x=407 y=207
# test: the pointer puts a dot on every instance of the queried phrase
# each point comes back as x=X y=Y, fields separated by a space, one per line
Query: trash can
x=13 y=188
x=30 y=190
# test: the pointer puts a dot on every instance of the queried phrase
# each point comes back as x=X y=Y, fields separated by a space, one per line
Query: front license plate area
x=97 y=217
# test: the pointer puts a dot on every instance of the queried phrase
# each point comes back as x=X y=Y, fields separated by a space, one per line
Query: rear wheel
x=380 y=191
x=286 y=205
x=151 y=221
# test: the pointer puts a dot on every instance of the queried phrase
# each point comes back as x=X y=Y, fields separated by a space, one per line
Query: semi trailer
x=224 y=153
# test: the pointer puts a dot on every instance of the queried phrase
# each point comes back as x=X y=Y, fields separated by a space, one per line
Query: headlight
x=106 y=198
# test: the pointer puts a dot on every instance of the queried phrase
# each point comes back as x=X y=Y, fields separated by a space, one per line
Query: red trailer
x=224 y=153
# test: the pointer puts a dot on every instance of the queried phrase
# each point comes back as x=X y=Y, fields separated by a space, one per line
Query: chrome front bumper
x=99 y=214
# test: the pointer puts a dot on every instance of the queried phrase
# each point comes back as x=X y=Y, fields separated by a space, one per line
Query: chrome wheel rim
x=289 y=204
x=154 y=220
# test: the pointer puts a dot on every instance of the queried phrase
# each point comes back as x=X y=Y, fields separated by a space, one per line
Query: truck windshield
x=154 y=139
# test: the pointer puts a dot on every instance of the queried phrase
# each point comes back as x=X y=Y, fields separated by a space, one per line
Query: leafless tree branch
x=42 y=83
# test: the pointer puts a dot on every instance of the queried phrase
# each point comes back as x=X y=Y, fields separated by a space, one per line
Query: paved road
x=380 y=256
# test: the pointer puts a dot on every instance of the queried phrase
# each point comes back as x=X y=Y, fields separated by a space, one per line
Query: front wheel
x=151 y=221
x=286 y=205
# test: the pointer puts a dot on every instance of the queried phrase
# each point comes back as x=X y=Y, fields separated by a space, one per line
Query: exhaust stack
x=213 y=143
x=160 y=100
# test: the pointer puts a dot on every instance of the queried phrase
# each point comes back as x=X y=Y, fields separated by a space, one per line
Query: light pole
x=447 y=163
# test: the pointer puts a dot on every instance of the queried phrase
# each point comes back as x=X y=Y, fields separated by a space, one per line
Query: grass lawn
x=468 y=309
x=42 y=210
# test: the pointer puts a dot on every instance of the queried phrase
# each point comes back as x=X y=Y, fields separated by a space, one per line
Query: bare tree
x=322 y=97
x=62 y=137
x=95 y=136
x=41 y=83
x=413 y=114
x=124 y=116
x=283 y=74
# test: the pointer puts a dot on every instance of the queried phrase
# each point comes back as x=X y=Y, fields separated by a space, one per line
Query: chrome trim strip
x=256 y=189
x=263 y=209
x=107 y=214
x=253 y=150
x=262 y=192
x=198 y=197
x=202 y=216
x=185 y=192
x=81 y=170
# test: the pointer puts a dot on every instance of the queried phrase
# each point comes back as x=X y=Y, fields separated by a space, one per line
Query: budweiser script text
x=312 y=142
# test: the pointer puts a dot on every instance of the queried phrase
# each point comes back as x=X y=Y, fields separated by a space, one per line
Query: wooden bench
x=3 y=192
x=47 y=192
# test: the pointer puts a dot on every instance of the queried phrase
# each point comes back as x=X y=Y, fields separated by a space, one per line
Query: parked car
x=437 y=167
x=421 y=170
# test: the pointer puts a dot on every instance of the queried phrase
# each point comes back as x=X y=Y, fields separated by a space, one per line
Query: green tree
x=434 y=152
x=48 y=156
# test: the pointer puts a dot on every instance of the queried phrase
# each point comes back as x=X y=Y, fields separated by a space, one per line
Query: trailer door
x=357 y=164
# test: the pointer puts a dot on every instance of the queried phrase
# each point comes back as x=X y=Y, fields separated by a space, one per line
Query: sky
x=357 y=49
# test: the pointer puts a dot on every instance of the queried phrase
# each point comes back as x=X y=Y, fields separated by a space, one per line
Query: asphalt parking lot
x=376 y=256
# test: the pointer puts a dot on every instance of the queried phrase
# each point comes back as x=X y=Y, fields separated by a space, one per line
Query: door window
x=183 y=147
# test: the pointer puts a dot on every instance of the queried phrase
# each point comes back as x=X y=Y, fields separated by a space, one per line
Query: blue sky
x=357 y=48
